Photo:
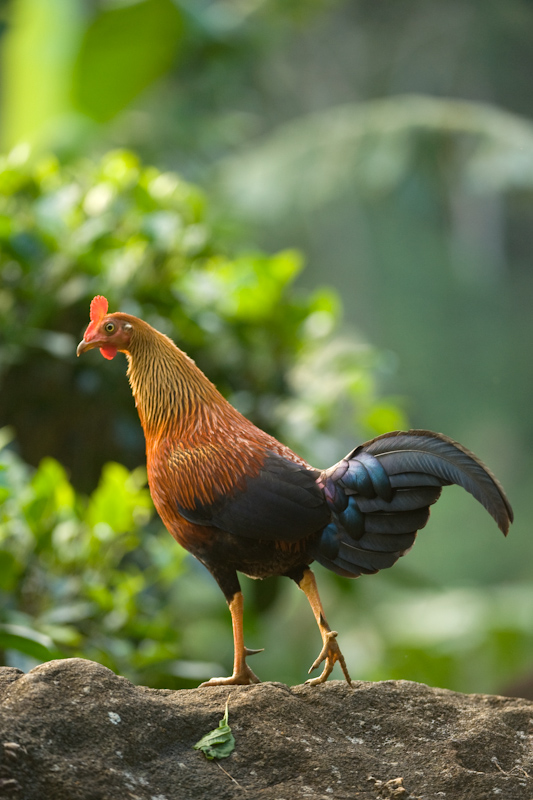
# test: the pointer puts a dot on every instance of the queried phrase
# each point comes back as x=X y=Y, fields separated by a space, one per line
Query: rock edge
x=73 y=730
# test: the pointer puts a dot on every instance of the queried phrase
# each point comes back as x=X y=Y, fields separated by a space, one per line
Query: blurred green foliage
x=72 y=67
x=147 y=241
x=86 y=576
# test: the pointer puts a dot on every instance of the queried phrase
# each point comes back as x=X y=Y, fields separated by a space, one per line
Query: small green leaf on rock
x=218 y=743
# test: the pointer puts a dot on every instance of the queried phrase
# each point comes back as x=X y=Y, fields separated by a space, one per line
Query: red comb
x=98 y=310
x=99 y=306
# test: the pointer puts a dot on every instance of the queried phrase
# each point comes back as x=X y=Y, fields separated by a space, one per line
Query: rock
x=73 y=730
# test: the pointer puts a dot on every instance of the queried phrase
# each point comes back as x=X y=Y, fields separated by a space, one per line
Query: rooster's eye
x=109 y=327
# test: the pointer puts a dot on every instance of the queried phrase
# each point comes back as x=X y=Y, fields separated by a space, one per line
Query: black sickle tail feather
x=381 y=495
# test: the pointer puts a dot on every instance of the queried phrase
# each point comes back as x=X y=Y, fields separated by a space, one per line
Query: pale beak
x=84 y=346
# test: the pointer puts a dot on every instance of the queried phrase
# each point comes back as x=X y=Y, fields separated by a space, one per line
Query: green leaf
x=124 y=50
x=218 y=743
x=30 y=642
x=118 y=501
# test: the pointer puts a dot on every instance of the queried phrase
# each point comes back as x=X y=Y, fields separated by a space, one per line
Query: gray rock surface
x=73 y=730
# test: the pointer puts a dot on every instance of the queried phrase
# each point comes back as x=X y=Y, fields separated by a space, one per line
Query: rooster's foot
x=243 y=676
x=330 y=653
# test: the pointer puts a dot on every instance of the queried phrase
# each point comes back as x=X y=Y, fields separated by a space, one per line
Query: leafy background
x=329 y=207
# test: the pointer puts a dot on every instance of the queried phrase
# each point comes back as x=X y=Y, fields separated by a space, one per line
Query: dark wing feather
x=283 y=502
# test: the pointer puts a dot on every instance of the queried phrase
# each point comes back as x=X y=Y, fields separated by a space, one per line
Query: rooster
x=240 y=501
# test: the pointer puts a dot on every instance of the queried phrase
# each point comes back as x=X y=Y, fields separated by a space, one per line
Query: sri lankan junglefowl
x=240 y=501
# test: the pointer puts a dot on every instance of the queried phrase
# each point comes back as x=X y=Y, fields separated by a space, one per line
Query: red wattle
x=108 y=352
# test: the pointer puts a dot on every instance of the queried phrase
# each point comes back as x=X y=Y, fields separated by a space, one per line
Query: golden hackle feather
x=189 y=426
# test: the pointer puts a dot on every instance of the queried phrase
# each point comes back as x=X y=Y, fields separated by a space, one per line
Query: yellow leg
x=331 y=651
x=242 y=674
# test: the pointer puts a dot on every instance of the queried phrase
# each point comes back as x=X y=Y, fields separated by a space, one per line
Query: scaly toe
x=244 y=677
x=330 y=653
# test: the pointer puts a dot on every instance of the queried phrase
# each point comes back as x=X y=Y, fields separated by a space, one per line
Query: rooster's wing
x=279 y=501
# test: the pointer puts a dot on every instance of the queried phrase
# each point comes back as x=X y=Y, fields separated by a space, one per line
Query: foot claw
x=242 y=679
x=330 y=653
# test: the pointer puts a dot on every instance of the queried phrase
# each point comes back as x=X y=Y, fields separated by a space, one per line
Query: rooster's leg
x=331 y=651
x=242 y=674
